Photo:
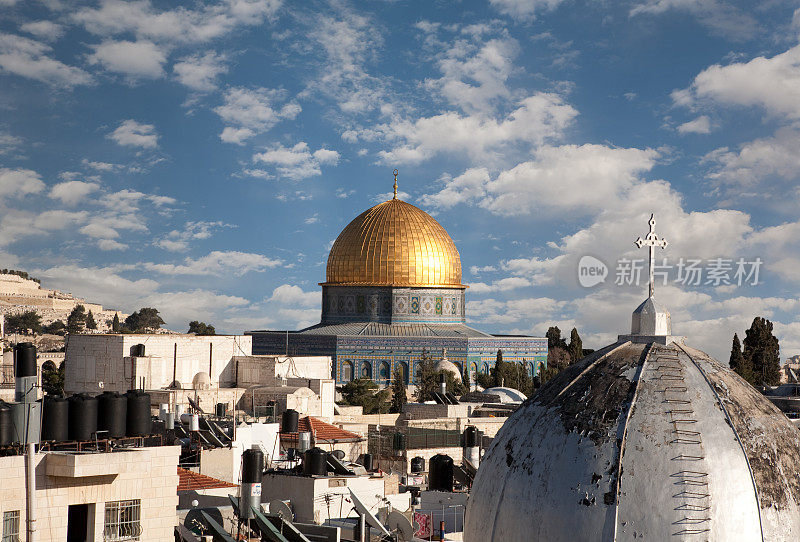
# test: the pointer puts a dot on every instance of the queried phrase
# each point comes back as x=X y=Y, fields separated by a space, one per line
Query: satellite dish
x=372 y=521
x=401 y=525
x=281 y=508
x=338 y=454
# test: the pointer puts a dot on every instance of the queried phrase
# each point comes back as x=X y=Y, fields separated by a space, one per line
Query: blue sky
x=202 y=159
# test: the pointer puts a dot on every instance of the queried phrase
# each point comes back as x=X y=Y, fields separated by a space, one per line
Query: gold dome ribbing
x=394 y=244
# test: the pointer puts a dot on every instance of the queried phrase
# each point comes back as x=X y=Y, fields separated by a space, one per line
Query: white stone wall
x=148 y=474
x=267 y=370
x=106 y=358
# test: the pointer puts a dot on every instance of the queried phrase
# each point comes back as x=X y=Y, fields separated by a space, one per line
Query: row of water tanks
x=80 y=417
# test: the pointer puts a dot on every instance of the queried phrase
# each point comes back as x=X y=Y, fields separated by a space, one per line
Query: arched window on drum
x=347 y=371
x=404 y=370
x=366 y=370
x=383 y=371
x=485 y=369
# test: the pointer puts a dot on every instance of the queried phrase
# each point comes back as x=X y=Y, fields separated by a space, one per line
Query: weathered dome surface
x=507 y=395
x=640 y=441
x=394 y=244
x=445 y=364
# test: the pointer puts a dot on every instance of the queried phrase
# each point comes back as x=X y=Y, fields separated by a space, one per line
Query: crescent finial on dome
x=395 y=184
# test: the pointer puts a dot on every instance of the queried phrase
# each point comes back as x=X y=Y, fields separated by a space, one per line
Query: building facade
x=393 y=296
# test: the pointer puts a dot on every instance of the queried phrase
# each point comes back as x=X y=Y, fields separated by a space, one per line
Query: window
x=347 y=371
x=11 y=526
x=384 y=371
x=366 y=370
x=122 y=520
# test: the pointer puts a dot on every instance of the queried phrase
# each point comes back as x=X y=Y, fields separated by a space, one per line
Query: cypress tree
x=399 y=397
x=762 y=350
x=575 y=347
x=738 y=363
x=499 y=371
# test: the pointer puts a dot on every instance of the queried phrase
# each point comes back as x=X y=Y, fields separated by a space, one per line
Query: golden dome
x=394 y=244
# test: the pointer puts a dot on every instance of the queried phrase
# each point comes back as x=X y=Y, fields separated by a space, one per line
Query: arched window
x=366 y=370
x=485 y=369
x=404 y=369
x=531 y=370
x=383 y=371
x=347 y=371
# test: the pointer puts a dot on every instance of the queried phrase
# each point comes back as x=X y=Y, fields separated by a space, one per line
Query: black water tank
x=24 y=360
x=290 y=420
x=6 y=425
x=366 y=460
x=440 y=473
x=55 y=418
x=417 y=465
x=252 y=466
x=137 y=351
x=471 y=436
x=138 y=421
x=113 y=414
x=222 y=409
x=315 y=462
x=82 y=417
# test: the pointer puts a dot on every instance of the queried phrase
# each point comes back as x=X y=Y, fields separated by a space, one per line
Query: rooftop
x=323 y=431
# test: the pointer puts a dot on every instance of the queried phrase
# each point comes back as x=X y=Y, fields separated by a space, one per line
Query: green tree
x=56 y=327
x=90 y=323
x=554 y=339
x=484 y=380
x=145 y=320
x=115 y=323
x=762 y=350
x=499 y=369
x=575 y=347
x=399 y=394
x=743 y=366
x=201 y=328
x=52 y=378
x=364 y=392
x=26 y=322
x=558 y=359
x=76 y=321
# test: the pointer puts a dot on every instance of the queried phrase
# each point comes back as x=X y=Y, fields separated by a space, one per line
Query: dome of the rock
x=394 y=244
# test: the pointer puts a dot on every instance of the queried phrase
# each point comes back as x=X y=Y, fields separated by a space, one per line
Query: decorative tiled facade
x=392 y=305
x=377 y=357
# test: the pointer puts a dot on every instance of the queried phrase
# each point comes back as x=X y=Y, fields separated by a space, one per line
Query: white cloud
x=524 y=10
x=294 y=296
x=28 y=58
x=19 y=182
x=474 y=76
x=772 y=83
x=538 y=118
x=251 y=111
x=179 y=25
x=9 y=143
x=298 y=162
x=348 y=43
x=200 y=73
x=700 y=125
x=720 y=17
x=100 y=166
x=99 y=230
x=758 y=160
x=501 y=285
x=218 y=263
x=72 y=192
x=46 y=30
x=135 y=134
x=132 y=58
x=581 y=179
x=110 y=244
x=178 y=240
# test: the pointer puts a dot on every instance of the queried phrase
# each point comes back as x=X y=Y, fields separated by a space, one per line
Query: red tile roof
x=190 y=480
x=322 y=431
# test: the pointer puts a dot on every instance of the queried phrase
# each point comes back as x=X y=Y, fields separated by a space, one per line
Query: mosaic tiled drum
x=393 y=263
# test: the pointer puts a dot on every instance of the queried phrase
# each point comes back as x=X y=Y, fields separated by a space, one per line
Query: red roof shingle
x=193 y=481
x=323 y=431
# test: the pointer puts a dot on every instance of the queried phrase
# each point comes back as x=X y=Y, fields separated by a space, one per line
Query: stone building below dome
x=393 y=295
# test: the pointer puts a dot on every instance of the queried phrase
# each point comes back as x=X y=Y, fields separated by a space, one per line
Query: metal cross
x=395 y=183
x=652 y=241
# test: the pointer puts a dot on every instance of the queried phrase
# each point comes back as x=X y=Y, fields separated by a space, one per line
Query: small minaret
x=395 y=184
